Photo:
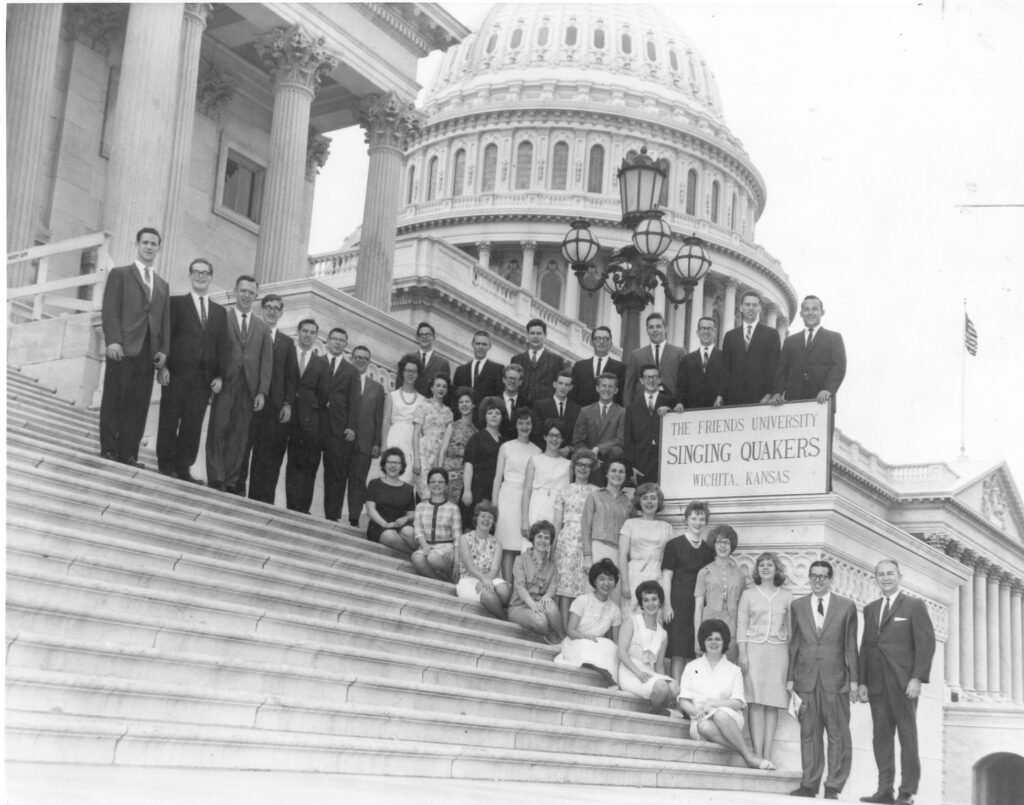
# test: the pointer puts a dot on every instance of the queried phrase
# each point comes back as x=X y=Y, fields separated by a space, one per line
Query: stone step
x=121 y=743
x=30 y=408
x=17 y=377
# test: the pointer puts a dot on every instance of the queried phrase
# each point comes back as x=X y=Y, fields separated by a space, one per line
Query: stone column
x=33 y=35
x=696 y=311
x=389 y=123
x=297 y=63
x=193 y=25
x=1016 y=655
x=980 y=626
x=529 y=279
x=483 y=250
x=139 y=171
x=992 y=584
x=572 y=295
x=966 y=607
x=1005 y=636
x=729 y=308
x=952 y=653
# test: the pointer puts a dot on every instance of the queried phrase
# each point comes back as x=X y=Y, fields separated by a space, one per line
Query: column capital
x=318 y=149
x=731 y=284
x=389 y=121
x=295 y=57
x=95 y=25
x=1017 y=590
x=1006 y=578
x=982 y=566
x=199 y=11
x=528 y=245
x=483 y=245
x=215 y=89
x=937 y=540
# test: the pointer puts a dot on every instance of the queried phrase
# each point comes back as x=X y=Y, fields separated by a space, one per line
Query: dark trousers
x=269 y=441
x=337 y=458
x=893 y=712
x=828 y=712
x=228 y=433
x=304 y=447
x=183 y=404
x=358 y=469
x=127 y=390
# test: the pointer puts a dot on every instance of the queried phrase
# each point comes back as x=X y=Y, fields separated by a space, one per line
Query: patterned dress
x=454 y=458
x=432 y=417
x=572 y=576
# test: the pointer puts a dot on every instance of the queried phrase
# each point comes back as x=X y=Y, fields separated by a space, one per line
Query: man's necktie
x=650 y=405
x=362 y=385
x=476 y=372
x=885 y=610
x=302 y=363
x=423 y=358
x=149 y=282
x=561 y=410
x=510 y=404
x=245 y=327
x=657 y=355
x=598 y=372
x=334 y=364
x=810 y=336
x=749 y=333
x=533 y=359
x=202 y=311
x=704 y=359
x=604 y=413
x=821 y=607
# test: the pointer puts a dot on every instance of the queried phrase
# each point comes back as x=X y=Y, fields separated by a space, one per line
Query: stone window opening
x=411 y=189
x=459 y=173
x=560 y=166
x=240 y=180
x=431 y=178
x=551 y=286
x=626 y=44
x=490 y=169
x=691 y=192
x=599 y=38
x=715 y=193
x=595 y=172
x=570 y=35
x=524 y=165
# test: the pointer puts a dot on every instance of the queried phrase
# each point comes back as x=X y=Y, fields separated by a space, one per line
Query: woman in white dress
x=509 y=476
x=711 y=695
x=593 y=619
x=400 y=407
x=642 y=542
x=642 y=644
x=546 y=475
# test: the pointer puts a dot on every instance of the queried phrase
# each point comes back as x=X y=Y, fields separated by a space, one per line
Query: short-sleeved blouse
x=604 y=515
x=596 y=617
x=526 y=571
x=392 y=502
x=481 y=552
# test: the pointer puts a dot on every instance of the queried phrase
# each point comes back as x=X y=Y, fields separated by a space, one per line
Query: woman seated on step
x=593 y=619
x=390 y=504
x=534 y=577
x=711 y=694
x=437 y=525
x=642 y=644
x=480 y=563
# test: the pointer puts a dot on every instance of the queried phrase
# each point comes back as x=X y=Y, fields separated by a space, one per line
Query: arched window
x=599 y=38
x=672 y=60
x=517 y=38
x=627 y=44
x=492 y=43
x=715 y=192
x=490 y=168
x=560 y=166
x=524 y=165
x=431 y=178
x=595 y=172
x=570 y=35
x=542 y=36
x=691 y=192
x=732 y=212
x=551 y=286
x=459 y=173
x=652 y=52
x=412 y=185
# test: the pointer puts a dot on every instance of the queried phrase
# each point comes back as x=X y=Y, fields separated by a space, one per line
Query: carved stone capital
x=1006 y=578
x=96 y=25
x=388 y=120
x=318 y=148
x=937 y=540
x=982 y=566
x=199 y=11
x=528 y=245
x=294 y=57
x=214 y=90
x=483 y=245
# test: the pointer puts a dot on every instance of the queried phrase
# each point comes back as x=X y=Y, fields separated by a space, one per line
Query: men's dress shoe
x=166 y=471
x=905 y=799
x=109 y=455
x=354 y=523
x=803 y=791
x=831 y=793
x=187 y=476
x=216 y=484
x=880 y=796
x=131 y=462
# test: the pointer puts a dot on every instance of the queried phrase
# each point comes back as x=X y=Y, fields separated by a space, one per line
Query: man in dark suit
x=192 y=374
x=559 y=406
x=433 y=364
x=512 y=398
x=137 y=330
x=268 y=432
x=369 y=419
x=601 y=425
x=642 y=430
x=813 y=362
x=823 y=672
x=306 y=431
x=700 y=371
x=339 y=431
x=480 y=374
x=586 y=371
x=896 y=653
x=659 y=352
x=249 y=361
x=540 y=365
x=750 y=354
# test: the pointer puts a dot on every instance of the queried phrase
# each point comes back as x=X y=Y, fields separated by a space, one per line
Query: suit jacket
x=310 y=392
x=642 y=434
x=284 y=370
x=539 y=380
x=829 y=657
x=369 y=416
x=488 y=381
x=901 y=649
x=548 y=409
x=590 y=432
x=129 y=314
x=343 y=399
x=697 y=386
x=508 y=427
x=747 y=373
x=804 y=371
x=435 y=366
x=584 y=384
x=195 y=349
x=251 y=360
x=670 y=355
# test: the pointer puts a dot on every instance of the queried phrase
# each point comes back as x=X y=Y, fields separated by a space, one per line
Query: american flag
x=970 y=336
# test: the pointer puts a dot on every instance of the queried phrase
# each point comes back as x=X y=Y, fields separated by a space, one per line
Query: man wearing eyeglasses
x=192 y=374
x=700 y=371
x=586 y=371
x=823 y=672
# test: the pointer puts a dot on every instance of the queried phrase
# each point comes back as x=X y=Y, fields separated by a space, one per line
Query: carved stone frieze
x=993 y=502
x=318 y=149
x=387 y=120
x=96 y=25
x=295 y=57
x=214 y=90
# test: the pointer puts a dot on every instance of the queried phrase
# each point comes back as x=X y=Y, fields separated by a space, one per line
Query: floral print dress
x=572 y=576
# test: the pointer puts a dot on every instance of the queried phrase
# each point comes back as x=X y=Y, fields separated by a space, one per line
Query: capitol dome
x=526 y=123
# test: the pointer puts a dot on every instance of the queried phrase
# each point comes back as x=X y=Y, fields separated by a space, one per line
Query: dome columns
x=390 y=125
x=529 y=280
x=1016 y=637
x=483 y=250
x=729 y=307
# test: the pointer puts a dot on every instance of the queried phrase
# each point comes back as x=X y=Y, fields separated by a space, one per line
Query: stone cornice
x=421 y=33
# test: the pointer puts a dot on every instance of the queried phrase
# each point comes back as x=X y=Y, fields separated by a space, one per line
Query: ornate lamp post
x=632 y=275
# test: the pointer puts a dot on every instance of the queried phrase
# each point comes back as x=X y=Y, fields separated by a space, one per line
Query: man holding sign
x=813 y=362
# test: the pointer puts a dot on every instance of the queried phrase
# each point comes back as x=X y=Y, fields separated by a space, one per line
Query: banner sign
x=747 y=450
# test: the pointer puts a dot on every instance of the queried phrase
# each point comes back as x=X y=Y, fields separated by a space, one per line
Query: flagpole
x=963 y=390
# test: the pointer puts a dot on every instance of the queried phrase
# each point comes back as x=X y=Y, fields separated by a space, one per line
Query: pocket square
x=899 y=619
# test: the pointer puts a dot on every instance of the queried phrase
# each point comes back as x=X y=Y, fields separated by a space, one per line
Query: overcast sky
x=874 y=126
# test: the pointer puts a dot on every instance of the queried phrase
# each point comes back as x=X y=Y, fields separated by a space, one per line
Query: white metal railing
x=42 y=299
